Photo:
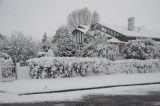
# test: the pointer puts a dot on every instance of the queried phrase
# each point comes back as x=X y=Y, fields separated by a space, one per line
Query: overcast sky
x=34 y=17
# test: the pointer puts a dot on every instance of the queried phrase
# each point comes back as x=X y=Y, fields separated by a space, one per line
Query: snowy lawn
x=9 y=90
x=78 y=95
x=41 y=85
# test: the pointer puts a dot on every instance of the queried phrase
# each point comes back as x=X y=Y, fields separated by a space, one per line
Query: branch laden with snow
x=53 y=67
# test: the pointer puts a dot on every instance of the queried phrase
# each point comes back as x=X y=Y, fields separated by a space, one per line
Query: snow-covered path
x=12 y=89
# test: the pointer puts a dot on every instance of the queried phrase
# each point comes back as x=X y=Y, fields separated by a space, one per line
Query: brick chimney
x=131 y=23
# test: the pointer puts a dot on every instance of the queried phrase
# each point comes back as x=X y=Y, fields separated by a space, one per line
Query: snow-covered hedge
x=52 y=67
x=134 y=66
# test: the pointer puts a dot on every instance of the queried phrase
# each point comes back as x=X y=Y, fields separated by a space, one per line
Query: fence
x=11 y=73
x=8 y=73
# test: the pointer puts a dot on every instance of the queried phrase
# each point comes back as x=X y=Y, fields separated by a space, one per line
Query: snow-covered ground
x=9 y=90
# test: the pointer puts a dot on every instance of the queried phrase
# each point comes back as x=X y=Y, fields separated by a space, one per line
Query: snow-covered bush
x=109 y=51
x=157 y=54
x=140 y=49
x=49 y=53
x=62 y=43
x=134 y=66
x=53 y=67
x=5 y=59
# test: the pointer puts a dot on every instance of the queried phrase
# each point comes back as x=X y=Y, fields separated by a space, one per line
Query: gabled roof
x=136 y=33
x=82 y=28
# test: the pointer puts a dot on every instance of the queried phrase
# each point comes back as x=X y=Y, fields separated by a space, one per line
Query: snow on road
x=12 y=89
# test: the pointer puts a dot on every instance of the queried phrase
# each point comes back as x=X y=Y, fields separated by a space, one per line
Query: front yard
x=10 y=91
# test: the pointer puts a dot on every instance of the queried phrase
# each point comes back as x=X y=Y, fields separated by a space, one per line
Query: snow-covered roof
x=92 y=32
x=136 y=33
x=82 y=28
x=107 y=35
x=115 y=40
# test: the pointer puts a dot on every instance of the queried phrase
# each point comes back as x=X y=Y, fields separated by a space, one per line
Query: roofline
x=111 y=29
x=77 y=30
x=156 y=38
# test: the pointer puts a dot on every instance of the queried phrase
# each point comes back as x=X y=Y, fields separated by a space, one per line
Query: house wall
x=78 y=37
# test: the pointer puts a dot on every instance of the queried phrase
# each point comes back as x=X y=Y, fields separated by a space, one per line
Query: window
x=108 y=31
x=117 y=34
x=76 y=38
x=82 y=37
x=111 y=32
x=79 y=38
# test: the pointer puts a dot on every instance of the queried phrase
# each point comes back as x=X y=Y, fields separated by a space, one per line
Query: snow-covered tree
x=79 y=17
x=109 y=51
x=61 y=32
x=46 y=44
x=140 y=49
x=67 y=48
x=3 y=42
x=5 y=59
x=21 y=47
x=62 y=44
x=96 y=45
x=95 y=18
x=44 y=39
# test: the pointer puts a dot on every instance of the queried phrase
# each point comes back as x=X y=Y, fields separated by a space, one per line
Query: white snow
x=115 y=40
x=12 y=89
x=73 y=66
x=77 y=95
x=5 y=59
x=82 y=28
x=136 y=33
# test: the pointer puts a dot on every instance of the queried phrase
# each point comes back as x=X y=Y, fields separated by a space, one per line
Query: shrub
x=109 y=51
x=134 y=66
x=5 y=59
x=140 y=49
x=53 y=67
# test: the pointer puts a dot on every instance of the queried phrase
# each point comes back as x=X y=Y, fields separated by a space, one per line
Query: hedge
x=53 y=67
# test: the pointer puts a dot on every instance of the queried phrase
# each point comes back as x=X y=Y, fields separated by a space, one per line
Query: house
x=118 y=35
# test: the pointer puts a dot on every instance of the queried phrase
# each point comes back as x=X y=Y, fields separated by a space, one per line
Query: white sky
x=34 y=17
